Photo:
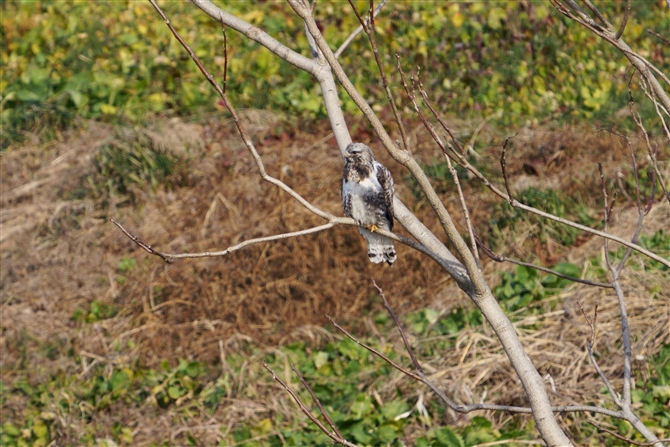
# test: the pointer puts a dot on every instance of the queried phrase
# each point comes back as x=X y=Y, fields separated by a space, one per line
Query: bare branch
x=315 y=399
x=225 y=55
x=257 y=35
x=623 y=438
x=626 y=13
x=654 y=33
x=334 y=436
x=501 y=258
x=464 y=207
x=170 y=257
x=503 y=166
x=598 y=14
x=357 y=31
x=142 y=244
x=369 y=30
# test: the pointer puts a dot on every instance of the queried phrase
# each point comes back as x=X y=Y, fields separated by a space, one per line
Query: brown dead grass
x=60 y=253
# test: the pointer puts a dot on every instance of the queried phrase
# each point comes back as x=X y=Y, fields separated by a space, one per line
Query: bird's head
x=357 y=153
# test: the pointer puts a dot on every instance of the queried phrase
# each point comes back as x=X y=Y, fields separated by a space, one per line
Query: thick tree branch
x=476 y=288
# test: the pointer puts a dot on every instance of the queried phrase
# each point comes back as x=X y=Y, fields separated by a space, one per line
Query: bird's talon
x=373 y=228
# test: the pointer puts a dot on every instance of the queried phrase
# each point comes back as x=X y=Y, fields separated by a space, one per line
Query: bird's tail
x=380 y=248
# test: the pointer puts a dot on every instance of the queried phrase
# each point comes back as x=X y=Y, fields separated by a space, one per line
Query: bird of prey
x=367 y=197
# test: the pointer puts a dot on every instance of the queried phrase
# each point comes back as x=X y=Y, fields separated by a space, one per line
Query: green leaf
x=10 y=429
x=394 y=408
x=175 y=392
x=357 y=431
x=387 y=434
x=41 y=430
x=447 y=438
x=361 y=406
x=349 y=349
x=120 y=381
x=320 y=359
x=662 y=392
x=495 y=17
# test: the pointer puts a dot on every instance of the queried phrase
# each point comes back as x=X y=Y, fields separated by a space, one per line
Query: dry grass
x=59 y=253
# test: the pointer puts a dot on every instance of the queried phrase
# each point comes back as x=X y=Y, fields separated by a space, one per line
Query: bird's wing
x=346 y=195
x=386 y=181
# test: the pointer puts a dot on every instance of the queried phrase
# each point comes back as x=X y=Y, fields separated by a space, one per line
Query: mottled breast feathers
x=367 y=197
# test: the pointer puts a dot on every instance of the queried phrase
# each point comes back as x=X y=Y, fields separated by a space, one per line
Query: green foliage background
x=118 y=60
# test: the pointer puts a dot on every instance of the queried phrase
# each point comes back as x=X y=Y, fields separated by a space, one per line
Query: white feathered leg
x=380 y=248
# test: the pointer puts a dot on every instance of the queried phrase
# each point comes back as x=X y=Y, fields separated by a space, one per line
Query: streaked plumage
x=367 y=197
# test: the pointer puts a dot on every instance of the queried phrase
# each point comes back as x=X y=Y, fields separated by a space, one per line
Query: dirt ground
x=60 y=253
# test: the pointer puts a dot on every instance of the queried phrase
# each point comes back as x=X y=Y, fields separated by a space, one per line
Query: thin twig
x=225 y=55
x=356 y=32
x=373 y=350
x=624 y=20
x=501 y=258
x=388 y=308
x=607 y=212
x=439 y=119
x=305 y=410
x=598 y=14
x=371 y=14
x=592 y=358
x=652 y=32
x=591 y=321
x=628 y=440
x=464 y=207
x=145 y=246
x=369 y=30
x=318 y=402
x=503 y=166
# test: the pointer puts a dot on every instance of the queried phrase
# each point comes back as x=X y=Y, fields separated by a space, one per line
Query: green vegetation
x=333 y=372
x=516 y=291
x=343 y=375
x=134 y=162
x=118 y=61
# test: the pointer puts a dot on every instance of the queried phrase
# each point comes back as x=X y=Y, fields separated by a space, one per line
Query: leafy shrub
x=97 y=311
x=654 y=394
x=118 y=60
x=132 y=163
x=518 y=290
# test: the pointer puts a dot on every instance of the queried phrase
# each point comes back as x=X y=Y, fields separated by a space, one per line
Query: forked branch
x=335 y=434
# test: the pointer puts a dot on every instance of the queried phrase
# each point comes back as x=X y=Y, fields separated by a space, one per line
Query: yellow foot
x=373 y=228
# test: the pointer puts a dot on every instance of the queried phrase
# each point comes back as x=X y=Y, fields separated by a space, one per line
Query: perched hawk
x=367 y=197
